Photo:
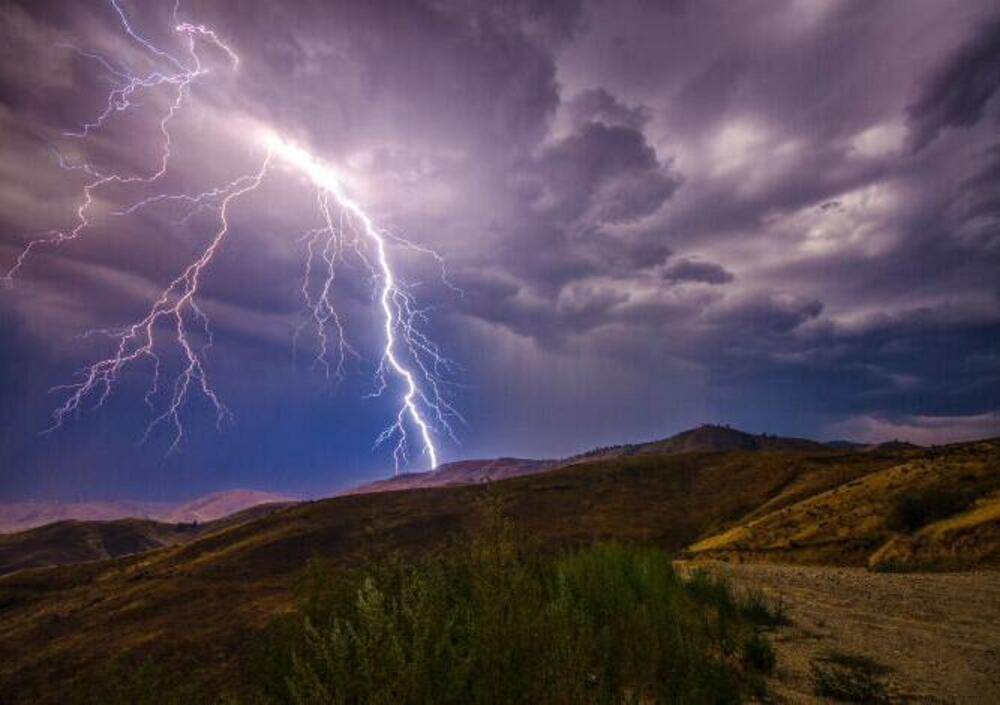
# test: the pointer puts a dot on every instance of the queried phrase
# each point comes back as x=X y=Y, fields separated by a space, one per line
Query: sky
x=782 y=215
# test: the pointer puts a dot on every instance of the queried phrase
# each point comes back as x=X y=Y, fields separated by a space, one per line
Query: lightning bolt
x=346 y=229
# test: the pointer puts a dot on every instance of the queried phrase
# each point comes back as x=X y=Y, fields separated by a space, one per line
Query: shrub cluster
x=491 y=621
x=494 y=623
x=914 y=510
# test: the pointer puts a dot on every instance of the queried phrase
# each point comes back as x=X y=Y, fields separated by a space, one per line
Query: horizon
x=328 y=493
x=473 y=232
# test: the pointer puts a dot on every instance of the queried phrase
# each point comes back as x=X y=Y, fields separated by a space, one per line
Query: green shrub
x=849 y=678
x=914 y=510
x=758 y=653
x=492 y=622
x=752 y=605
x=759 y=609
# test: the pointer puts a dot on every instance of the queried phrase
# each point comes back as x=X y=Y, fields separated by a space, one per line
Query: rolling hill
x=72 y=541
x=706 y=438
x=938 y=508
x=18 y=516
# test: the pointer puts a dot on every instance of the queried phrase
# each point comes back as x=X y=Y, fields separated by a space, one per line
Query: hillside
x=18 y=516
x=72 y=541
x=940 y=508
x=193 y=605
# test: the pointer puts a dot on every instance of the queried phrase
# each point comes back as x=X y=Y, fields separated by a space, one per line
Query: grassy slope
x=192 y=605
x=76 y=541
x=848 y=525
x=72 y=541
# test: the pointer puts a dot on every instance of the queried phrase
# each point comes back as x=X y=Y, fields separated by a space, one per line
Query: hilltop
x=713 y=438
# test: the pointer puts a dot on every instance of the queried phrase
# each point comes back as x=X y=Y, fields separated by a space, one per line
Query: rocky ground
x=929 y=638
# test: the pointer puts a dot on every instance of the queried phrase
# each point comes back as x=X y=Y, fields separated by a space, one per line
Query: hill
x=72 y=541
x=704 y=439
x=463 y=472
x=193 y=606
x=709 y=438
x=936 y=509
x=18 y=516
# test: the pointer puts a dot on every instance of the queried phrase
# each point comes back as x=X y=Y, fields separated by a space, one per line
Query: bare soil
x=938 y=633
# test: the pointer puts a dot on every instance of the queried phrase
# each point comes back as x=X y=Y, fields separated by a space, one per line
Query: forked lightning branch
x=410 y=361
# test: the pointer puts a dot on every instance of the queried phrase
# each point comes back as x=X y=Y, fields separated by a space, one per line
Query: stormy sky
x=781 y=215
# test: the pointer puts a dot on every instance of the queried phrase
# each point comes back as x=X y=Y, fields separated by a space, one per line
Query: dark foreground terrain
x=200 y=608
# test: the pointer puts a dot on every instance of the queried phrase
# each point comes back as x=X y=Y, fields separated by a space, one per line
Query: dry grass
x=853 y=523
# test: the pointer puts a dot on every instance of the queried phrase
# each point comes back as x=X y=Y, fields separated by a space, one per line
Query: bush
x=849 y=678
x=758 y=654
x=759 y=609
x=753 y=606
x=492 y=622
x=914 y=510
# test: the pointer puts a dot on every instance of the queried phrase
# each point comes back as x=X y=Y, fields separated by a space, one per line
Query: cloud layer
x=781 y=214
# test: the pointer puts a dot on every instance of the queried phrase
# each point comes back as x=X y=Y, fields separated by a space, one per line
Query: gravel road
x=938 y=633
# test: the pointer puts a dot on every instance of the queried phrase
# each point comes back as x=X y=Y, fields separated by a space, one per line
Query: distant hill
x=18 y=516
x=463 y=472
x=845 y=445
x=72 y=541
x=220 y=504
x=706 y=439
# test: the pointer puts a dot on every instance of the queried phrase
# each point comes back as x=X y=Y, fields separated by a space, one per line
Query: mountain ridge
x=706 y=438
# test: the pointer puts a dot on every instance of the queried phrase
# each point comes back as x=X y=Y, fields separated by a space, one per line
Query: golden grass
x=848 y=524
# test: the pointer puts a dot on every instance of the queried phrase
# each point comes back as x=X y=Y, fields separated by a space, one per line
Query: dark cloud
x=975 y=212
x=685 y=270
x=768 y=313
x=957 y=94
x=598 y=105
x=608 y=173
x=709 y=207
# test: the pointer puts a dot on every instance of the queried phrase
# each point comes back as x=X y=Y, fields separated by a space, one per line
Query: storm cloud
x=779 y=214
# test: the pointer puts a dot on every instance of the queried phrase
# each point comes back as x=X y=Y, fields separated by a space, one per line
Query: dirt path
x=938 y=633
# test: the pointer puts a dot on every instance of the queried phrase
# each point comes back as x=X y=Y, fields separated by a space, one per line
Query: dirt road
x=938 y=633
